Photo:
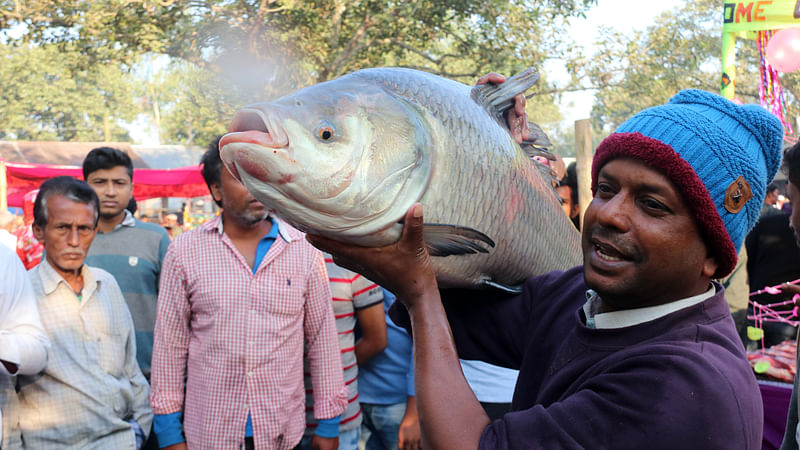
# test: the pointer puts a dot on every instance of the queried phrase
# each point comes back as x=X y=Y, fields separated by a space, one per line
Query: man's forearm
x=450 y=415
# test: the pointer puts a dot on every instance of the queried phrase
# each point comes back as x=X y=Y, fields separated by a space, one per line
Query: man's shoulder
x=203 y=234
x=566 y=283
x=152 y=227
x=102 y=275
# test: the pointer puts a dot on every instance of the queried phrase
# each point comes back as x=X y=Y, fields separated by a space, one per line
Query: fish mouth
x=254 y=126
x=251 y=126
x=262 y=128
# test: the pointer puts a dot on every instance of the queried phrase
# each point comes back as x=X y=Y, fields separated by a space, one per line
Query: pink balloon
x=783 y=50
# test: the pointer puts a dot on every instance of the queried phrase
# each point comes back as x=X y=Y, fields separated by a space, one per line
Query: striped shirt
x=238 y=338
x=91 y=387
x=350 y=292
x=132 y=252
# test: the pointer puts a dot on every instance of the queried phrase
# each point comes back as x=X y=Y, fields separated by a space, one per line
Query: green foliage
x=48 y=94
x=245 y=51
x=681 y=51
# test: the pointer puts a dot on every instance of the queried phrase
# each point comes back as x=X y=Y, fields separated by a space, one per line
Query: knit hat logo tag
x=737 y=194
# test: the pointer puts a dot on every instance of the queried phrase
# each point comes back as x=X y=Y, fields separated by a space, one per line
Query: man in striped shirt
x=238 y=296
x=356 y=301
x=129 y=249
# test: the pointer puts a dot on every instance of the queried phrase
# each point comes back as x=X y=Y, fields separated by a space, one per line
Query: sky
x=618 y=14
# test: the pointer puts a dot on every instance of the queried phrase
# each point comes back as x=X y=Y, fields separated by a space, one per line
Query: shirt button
x=249 y=374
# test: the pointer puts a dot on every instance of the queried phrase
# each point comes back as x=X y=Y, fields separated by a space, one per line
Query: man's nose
x=615 y=213
x=73 y=239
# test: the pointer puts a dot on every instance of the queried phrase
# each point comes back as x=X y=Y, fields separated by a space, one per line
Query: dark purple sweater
x=678 y=382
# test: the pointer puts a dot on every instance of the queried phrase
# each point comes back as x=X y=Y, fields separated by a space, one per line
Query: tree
x=267 y=48
x=681 y=51
x=48 y=94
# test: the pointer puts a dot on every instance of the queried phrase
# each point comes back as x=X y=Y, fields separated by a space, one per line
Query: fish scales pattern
x=468 y=172
x=473 y=157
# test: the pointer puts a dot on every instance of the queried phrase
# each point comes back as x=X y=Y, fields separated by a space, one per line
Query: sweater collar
x=630 y=317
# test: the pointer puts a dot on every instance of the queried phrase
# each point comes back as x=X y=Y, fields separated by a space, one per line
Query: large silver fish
x=347 y=158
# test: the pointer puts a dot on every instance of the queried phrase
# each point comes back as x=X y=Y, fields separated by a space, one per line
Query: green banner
x=743 y=19
x=760 y=15
x=728 y=65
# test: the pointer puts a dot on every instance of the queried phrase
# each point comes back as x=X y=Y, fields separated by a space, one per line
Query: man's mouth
x=608 y=252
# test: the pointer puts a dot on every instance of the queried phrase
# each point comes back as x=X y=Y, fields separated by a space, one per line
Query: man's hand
x=516 y=118
x=404 y=267
x=408 y=435
x=323 y=443
x=180 y=446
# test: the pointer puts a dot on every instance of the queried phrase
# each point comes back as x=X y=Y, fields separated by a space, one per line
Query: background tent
x=147 y=183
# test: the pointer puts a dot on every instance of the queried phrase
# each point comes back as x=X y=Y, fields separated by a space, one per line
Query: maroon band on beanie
x=664 y=159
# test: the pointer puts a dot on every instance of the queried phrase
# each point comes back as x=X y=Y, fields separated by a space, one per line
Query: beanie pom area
x=663 y=158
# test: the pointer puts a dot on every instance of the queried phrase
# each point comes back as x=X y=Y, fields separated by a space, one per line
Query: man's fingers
x=519 y=104
x=492 y=77
x=413 y=227
x=324 y=244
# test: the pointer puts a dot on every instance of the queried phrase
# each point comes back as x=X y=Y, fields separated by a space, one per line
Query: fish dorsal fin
x=538 y=145
x=537 y=138
x=498 y=98
x=446 y=240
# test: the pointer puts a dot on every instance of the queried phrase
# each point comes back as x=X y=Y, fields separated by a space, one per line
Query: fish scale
x=450 y=153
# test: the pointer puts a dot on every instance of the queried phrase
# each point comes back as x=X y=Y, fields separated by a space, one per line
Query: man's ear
x=216 y=192
x=710 y=266
x=38 y=232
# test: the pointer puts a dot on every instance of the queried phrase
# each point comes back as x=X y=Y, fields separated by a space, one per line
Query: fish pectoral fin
x=446 y=240
x=503 y=287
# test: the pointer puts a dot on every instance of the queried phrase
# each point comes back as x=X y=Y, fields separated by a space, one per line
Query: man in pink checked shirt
x=234 y=306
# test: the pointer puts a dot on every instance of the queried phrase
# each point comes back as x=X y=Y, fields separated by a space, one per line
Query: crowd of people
x=244 y=333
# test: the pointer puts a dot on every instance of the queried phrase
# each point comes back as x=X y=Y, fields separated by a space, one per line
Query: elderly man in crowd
x=92 y=394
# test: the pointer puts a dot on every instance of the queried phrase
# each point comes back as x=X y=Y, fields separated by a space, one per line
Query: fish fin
x=505 y=288
x=446 y=240
x=498 y=98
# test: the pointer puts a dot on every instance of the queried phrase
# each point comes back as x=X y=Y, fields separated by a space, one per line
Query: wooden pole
x=583 y=163
x=3 y=187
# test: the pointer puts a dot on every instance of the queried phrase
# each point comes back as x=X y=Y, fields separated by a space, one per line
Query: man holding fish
x=636 y=347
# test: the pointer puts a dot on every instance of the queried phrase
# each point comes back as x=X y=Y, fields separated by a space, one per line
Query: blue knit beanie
x=720 y=155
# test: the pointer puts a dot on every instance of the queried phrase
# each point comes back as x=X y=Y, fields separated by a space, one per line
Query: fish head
x=337 y=159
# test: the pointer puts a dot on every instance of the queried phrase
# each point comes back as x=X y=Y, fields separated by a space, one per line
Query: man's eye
x=652 y=204
x=604 y=189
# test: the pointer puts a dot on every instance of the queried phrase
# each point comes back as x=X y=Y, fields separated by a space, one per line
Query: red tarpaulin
x=147 y=183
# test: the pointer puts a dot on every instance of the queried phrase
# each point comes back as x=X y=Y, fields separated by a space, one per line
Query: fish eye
x=325 y=132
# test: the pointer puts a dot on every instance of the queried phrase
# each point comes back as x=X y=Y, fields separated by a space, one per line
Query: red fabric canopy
x=147 y=183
